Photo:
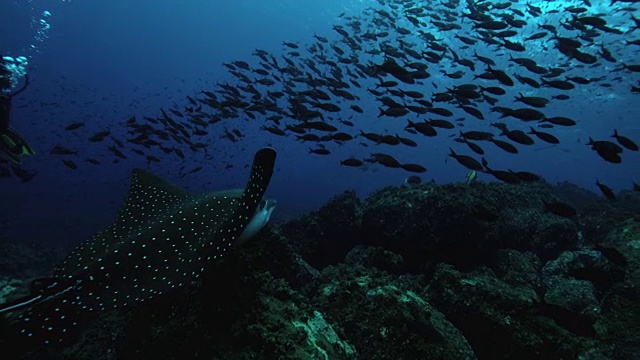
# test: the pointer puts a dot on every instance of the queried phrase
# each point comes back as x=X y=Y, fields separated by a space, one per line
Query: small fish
x=74 y=126
x=116 y=152
x=560 y=209
x=606 y=191
x=70 y=164
x=61 y=150
x=413 y=168
x=351 y=162
x=386 y=160
x=625 y=141
x=99 y=136
x=319 y=151
x=413 y=180
x=466 y=161
x=152 y=158
x=471 y=177
x=544 y=136
x=607 y=150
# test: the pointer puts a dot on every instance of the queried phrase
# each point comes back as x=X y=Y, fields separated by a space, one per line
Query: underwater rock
x=385 y=319
x=325 y=236
x=463 y=225
x=497 y=318
x=377 y=257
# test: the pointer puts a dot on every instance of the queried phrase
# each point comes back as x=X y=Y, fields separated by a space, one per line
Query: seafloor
x=413 y=272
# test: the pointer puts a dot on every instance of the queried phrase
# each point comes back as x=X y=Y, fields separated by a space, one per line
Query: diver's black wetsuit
x=12 y=143
x=5 y=99
x=5 y=106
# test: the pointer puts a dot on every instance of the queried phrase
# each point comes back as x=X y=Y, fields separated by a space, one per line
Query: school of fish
x=498 y=55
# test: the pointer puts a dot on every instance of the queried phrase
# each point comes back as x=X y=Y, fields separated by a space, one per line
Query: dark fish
x=319 y=125
x=500 y=76
x=406 y=141
x=151 y=158
x=607 y=150
x=413 y=180
x=74 y=126
x=176 y=113
x=441 y=111
x=476 y=135
x=544 y=136
x=505 y=176
x=422 y=127
x=524 y=114
x=473 y=112
x=376 y=138
x=414 y=168
x=473 y=146
x=560 y=209
x=116 y=152
x=491 y=25
x=319 y=151
x=389 y=140
x=356 y=108
x=439 y=123
x=393 y=112
x=162 y=238
x=534 y=101
x=606 y=191
x=99 y=136
x=506 y=146
x=70 y=164
x=466 y=161
x=559 y=84
x=24 y=176
x=625 y=141
x=386 y=160
x=518 y=136
x=340 y=136
x=494 y=90
x=559 y=120
x=351 y=162
x=308 y=137
x=526 y=176
x=61 y=150
x=274 y=130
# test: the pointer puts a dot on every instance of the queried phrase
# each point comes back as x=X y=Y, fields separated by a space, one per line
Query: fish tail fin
x=14 y=145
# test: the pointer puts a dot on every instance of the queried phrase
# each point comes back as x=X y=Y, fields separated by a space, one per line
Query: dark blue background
x=103 y=61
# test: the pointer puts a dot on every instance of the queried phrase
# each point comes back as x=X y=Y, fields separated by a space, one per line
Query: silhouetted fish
x=162 y=238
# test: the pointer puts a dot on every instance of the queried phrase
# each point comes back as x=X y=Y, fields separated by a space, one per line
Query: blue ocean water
x=102 y=62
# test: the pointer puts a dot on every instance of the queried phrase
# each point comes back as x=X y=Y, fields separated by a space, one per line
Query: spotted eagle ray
x=161 y=238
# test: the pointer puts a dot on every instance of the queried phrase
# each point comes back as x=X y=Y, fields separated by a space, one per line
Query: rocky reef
x=412 y=272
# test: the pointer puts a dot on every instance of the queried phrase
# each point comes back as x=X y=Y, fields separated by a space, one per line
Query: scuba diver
x=12 y=144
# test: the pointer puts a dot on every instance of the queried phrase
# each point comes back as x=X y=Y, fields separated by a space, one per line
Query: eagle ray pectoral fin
x=40 y=290
x=248 y=218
